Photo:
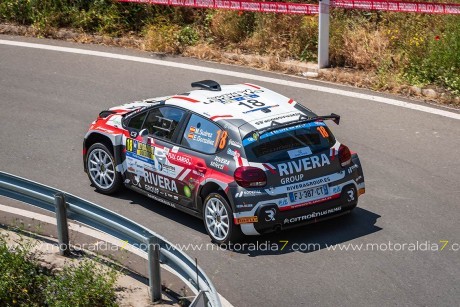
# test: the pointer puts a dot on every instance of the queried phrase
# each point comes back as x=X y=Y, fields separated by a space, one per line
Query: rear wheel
x=101 y=169
x=218 y=219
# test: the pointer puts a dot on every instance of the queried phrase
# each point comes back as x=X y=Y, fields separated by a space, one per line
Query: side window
x=137 y=121
x=161 y=122
x=203 y=135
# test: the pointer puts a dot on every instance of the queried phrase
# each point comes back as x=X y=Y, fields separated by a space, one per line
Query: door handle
x=200 y=168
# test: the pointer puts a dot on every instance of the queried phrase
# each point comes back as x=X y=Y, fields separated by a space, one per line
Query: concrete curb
x=36 y=220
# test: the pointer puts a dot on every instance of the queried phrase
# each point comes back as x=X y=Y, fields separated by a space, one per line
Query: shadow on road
x=172 y=214
x=310 y=238
x=314 y=237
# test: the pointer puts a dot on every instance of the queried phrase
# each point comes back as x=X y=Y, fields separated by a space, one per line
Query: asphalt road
x=410 y=159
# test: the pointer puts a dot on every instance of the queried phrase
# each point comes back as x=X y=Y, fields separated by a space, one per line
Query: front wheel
x=101 y=169
x=218 y=219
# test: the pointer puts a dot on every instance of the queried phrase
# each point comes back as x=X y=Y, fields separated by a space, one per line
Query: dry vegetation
x=379 y=50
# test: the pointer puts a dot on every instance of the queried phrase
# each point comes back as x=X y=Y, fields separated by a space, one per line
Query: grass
x=396 y=50
x=25 y=282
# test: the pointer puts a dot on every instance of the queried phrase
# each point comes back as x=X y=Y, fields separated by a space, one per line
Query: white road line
x=246 y=76
x=97 y=235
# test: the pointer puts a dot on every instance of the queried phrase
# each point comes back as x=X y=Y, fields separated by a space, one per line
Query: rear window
x=137 y=121
x=288 y=143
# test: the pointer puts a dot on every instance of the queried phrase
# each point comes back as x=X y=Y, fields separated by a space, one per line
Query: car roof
x=237 y=104
x=246 y=102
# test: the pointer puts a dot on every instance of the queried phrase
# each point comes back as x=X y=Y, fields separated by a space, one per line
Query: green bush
x=231 y=26
x=19 y=11
x=162 y=36
x=437 y=59
x=188 y=36
x=395 y=48
x=22 y=279
x=82 y=284
x=96 y=16
x=24 y=282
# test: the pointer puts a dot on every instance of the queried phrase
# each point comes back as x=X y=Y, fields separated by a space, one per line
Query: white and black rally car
x=241 y=157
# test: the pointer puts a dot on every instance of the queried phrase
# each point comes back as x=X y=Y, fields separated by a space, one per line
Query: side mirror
x=144 y=132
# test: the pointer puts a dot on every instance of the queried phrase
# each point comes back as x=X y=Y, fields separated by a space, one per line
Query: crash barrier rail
x=158 y=249
x=311 y=9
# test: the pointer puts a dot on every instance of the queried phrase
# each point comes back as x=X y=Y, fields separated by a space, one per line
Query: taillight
x=344 y=155
x=250 y=177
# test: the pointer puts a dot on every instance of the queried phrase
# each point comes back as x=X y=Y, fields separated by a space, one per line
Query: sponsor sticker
x=187 y=191
x=161 y=200
x=235 y=96
x=179 y=158
x=219 y=165
x=312 y=215
x=254 y=138
x=201 y=135
x=140 y=149
x=105 y=130
x=270 y=215
x=300 y=152
x=336 y=189
x=231 y=152
x=248 y=193
x=245 y=206
x=246 y=220
x=222 y=160
x=304 y=164
x=277 y=118
x=135 y=166
x=234 y=143
x=312 y=202
x=282 y=202
x=160 y=181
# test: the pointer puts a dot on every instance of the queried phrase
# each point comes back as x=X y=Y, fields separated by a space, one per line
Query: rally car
x=243 y=158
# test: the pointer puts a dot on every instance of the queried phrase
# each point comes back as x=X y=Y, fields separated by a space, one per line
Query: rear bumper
x=270 y=218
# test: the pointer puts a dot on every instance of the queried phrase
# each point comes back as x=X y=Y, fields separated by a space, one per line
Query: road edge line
x=230 y=73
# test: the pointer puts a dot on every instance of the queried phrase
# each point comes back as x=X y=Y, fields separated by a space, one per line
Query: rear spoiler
x=106 y=113
x=302 y=120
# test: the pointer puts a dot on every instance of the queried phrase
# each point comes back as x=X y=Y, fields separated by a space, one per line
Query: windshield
x=288 y=143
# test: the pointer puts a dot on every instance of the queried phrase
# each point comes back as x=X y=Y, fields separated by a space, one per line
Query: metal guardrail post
x=62 y=226
x=200 y=300
x=154 y=269
x=323 y=34
x=83 y=211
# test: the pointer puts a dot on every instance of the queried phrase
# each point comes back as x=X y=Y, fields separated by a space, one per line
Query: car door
x=200 y=141
x=148 y=165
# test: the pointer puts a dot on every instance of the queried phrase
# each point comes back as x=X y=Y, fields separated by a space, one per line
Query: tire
x=218 y=220
x=102 y=169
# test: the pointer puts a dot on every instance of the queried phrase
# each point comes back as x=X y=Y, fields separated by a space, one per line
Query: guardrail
x=102 y=219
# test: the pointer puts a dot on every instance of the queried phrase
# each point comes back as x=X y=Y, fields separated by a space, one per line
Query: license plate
x=308 y=193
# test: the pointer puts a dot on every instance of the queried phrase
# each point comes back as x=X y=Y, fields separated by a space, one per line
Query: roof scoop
x=209 y=85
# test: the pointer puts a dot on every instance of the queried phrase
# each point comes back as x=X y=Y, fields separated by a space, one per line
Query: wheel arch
x=206 y=189
x=94 y=138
